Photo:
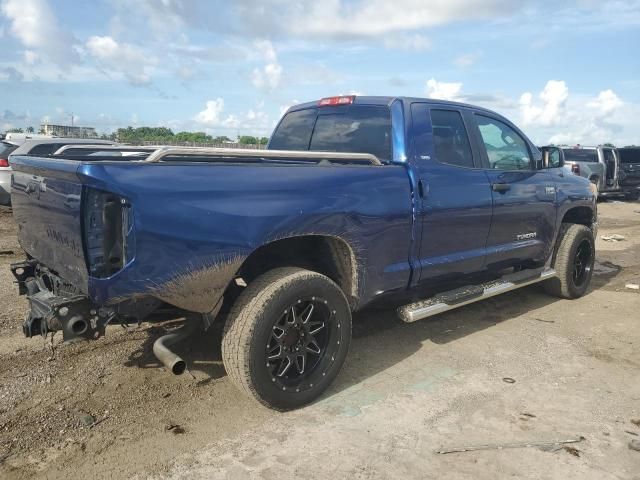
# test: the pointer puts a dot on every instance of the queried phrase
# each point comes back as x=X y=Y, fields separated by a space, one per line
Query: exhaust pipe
x=173 y=362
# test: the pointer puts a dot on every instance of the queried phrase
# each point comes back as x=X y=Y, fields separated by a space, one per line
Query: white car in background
x=27 y=144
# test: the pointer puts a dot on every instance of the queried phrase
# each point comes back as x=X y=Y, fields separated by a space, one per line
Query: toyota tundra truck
x=422 y=204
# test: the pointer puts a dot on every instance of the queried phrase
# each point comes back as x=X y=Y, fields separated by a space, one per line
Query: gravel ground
x=107 y=409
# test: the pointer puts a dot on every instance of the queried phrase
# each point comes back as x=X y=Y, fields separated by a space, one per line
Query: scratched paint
x=198 y=288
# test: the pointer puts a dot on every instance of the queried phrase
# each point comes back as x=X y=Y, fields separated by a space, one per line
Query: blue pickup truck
x=427 y=205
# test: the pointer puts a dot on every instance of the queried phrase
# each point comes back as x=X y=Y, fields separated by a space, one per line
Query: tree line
x=164 y=135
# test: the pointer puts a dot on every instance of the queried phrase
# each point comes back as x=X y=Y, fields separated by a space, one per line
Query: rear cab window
x=345 y=129
x=589 y=155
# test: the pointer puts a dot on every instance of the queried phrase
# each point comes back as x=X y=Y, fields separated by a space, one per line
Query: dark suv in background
x=630 y=171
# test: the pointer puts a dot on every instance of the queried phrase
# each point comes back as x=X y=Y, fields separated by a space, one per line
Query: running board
x=473 y=293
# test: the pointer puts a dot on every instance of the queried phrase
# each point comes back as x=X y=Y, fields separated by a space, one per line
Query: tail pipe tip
x=173 y=362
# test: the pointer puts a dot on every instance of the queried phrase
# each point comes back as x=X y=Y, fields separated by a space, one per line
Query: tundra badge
x=526 y=236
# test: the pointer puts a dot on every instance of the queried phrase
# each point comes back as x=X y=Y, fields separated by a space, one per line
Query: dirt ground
x=522 y=367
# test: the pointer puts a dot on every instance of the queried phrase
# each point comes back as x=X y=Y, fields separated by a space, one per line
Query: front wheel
x=286 y=337
x=573 y=262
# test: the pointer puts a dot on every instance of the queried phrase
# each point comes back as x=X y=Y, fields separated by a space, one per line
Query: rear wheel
x=286 y=337
x=573 y=262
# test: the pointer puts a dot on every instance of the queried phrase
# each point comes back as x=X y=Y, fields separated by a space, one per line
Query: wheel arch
x=326 y=254
x=582 y=215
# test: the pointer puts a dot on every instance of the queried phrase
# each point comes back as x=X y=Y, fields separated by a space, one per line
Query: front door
x=611 y=168
x=524 y=197
x=455 y=200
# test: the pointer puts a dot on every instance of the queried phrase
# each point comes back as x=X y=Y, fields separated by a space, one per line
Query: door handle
x=421 y=189
x=500 y=187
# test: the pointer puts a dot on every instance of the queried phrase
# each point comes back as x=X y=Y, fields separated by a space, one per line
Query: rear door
x=455 y=199
x=524 y=198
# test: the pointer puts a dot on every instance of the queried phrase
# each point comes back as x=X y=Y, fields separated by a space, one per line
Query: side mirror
x=552 y=157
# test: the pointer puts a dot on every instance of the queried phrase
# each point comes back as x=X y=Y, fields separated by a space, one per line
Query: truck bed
x=177 y=224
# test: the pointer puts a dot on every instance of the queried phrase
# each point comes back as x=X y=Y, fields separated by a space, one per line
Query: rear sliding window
x=580 y=155
x=356 y=129
x=629 y=155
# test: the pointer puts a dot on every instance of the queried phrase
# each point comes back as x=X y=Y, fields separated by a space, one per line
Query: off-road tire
x=250 y=325
x=570 y=239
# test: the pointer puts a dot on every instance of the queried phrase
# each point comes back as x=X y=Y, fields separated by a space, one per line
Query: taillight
x=330 y=101
x=108 y=232
x=4 y=162
x=575 y=168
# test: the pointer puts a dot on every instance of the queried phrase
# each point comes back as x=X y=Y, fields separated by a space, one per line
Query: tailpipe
x=173 y=362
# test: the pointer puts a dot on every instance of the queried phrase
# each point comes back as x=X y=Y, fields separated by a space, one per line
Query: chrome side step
x=473 y=293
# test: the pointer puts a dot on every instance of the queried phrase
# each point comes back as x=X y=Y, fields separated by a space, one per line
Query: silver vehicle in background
x=10 y=142
x=23 y=144
x=600 y=165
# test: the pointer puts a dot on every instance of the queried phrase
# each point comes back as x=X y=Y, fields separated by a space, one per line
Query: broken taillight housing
x=108 y=232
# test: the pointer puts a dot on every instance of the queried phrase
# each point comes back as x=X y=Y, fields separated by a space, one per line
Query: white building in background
x=68 y=131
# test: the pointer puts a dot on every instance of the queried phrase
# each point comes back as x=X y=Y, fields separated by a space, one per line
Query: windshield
x=580 y=155
x=354 y=129
x=629 y=155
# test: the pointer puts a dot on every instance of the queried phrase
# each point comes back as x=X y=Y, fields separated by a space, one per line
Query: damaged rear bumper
x=52 y=309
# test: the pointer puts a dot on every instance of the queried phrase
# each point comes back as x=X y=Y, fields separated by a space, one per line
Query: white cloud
x=467 y=59
x=266 y=50
x=255 y=121
x=129 y=61
x=550 y=111
x=212 y=115
x=606 y=102
x=377 y=17
x=563 y=118
x=34 y=24
x=267 y=77
x=444 y=90
x=163 y=17
x=415 y=42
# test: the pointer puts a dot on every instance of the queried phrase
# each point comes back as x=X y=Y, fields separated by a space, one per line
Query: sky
x=563 y=71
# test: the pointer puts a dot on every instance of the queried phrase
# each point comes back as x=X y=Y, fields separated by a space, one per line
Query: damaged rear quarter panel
x=196 y=223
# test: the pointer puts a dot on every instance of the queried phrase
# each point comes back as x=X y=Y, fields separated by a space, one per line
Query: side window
x=45 y=148
x=506 y=149
x=450 y=138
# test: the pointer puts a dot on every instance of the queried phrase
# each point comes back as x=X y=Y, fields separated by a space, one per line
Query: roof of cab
x=385 y=101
